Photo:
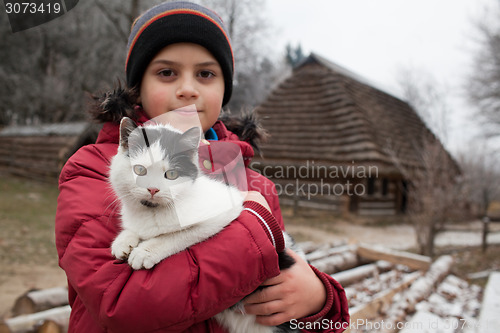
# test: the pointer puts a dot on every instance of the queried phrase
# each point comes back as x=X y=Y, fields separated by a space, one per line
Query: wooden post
x=414 y=261
x=486 y=221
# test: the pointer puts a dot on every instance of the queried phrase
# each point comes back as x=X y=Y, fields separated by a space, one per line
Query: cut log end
x=49 y=326
x=4 y=328
x=40 y=300
x=23 y=305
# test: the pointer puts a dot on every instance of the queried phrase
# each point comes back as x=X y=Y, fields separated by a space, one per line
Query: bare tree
x=483 y=84
x=437 y=194
x=435 y=186
x=428 y=97
x=435 y=189
x=48 y=70
x=481 y=175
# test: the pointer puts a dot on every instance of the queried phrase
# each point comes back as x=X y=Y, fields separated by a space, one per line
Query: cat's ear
x=127 y=125
x=191 y=138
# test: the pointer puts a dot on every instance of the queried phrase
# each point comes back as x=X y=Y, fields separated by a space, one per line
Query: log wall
x=35 y=157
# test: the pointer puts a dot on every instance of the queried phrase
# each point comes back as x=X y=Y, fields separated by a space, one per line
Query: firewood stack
x=387 y=290
x=40 y=311
x=395 y=291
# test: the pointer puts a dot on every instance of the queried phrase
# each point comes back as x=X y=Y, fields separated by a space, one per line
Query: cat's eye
x=140 y=170
x=171 y=174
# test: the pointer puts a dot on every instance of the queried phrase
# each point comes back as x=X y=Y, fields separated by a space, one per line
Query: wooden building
x=39 y=152
x=339 y=143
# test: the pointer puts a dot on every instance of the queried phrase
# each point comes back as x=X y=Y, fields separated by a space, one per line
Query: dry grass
x=27 y=212
x=28 y=258
x=472 y=260
x=319 y=220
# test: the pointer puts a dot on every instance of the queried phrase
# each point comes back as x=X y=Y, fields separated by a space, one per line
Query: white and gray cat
x=168 y=204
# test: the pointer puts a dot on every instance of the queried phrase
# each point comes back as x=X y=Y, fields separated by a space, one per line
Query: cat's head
x=155 y=163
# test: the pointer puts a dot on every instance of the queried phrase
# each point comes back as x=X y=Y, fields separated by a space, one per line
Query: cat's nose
x=153 y=191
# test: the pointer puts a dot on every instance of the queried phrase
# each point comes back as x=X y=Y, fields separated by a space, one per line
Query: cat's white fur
x=150 y=235
x=204 y=206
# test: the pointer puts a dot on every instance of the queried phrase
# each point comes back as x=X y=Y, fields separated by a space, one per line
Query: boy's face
x=183 y=74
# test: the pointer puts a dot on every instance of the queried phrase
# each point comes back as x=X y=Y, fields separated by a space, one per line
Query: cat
x=155 y=175
x=168 y=204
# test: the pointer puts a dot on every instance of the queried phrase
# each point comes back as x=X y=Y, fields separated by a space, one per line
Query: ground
x=29 y=260
x=15 y=280
x=392 y=232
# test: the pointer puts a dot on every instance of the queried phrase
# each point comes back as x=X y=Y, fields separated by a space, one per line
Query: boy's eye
x=206 y=74
x=166 y=72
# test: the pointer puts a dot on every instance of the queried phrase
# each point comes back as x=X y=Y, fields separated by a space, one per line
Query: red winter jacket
x=181 y=293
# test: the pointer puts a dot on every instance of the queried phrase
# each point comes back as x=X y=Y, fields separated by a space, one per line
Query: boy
x=179 y=54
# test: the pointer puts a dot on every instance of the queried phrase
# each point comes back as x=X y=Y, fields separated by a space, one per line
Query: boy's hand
x=296 y=293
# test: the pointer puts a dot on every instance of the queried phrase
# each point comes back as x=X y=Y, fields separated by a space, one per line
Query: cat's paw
x=142 y=257
x=123 y=245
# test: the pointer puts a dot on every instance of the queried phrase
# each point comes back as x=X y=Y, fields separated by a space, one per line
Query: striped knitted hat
x=177 y=22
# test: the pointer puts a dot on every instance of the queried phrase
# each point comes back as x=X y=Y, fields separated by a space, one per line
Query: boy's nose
x=187 y=90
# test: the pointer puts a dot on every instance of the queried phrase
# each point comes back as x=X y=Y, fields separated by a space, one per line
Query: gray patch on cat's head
x=179 y=149
x=182 y=152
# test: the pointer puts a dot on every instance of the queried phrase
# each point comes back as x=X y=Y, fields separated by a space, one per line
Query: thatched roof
x=328 y=114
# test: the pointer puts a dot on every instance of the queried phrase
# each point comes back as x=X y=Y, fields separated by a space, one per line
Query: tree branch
x=114 y=20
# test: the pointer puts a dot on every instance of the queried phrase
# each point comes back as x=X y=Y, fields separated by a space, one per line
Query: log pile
x=387 y=290
x=396 y=291
x=39 y=311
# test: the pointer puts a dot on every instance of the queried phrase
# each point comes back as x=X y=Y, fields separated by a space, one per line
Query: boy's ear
x=127 y=125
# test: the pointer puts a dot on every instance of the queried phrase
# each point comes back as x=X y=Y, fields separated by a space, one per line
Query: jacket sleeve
x=334 y=316
x=182 y=290
x=259 y=183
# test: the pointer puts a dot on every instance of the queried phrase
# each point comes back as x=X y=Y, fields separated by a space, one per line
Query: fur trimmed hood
x=121 y=102
x=246 y=126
